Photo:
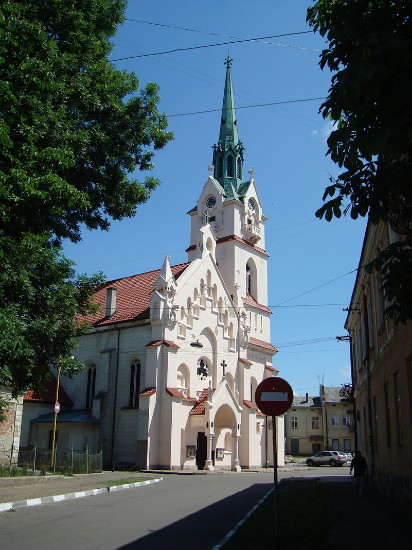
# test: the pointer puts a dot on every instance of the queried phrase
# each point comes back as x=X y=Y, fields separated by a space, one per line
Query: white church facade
x=173 y=358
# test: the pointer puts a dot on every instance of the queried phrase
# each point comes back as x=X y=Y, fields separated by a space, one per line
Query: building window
x=387 y=415
x=346 y=445
x=345 y=421
x=91 y=386
x=248 y=280
x=335 y=444
x=220 y=167
x=334 y=420
x=239 y=168
x=294 y=421
x=315 y=422
x=202 y=370
x=376 y=424
x=230 y=167
x=397 y=389
x=134 y=387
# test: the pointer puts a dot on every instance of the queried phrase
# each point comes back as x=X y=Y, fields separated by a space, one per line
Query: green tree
x=369 y=44
x=40 y=303
x=72 y=127
x=73 y=132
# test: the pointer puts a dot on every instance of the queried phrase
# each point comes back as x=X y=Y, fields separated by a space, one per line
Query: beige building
x=321 y=423
x=10 y=428
x=382 y=376
x=304 y=426
x=174 y=356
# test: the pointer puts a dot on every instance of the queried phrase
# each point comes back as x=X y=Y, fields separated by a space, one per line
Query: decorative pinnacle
x=228 y=62
x=211 y=169
x=251 y=171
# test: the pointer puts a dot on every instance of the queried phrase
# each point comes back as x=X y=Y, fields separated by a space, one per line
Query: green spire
x=228 y=153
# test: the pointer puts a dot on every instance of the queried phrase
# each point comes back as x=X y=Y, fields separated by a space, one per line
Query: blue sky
x=285 y=144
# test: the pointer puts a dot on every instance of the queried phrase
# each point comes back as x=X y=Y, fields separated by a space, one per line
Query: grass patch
x=304 y=520
x=127 y=480
x=14 y=472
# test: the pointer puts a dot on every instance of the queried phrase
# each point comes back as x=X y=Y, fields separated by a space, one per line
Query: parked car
x=333 y=458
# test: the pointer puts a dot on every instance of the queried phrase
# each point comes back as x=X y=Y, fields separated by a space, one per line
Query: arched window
x=202 y=369
x=134 y=387
x=239 y=168
x=91 y=386
x=230 y=167
x=248 y=280
x=220 y=167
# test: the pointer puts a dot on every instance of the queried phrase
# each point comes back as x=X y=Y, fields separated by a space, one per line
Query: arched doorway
x=226 y=439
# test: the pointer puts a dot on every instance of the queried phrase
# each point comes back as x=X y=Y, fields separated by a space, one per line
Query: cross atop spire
x=228 y=62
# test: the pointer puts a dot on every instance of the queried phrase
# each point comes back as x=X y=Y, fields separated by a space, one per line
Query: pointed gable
x=133 y=297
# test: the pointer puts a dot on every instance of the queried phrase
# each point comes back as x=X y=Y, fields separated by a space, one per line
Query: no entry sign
x=274 y=396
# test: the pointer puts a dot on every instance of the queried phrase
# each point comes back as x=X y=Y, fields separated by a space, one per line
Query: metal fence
x=34 y=461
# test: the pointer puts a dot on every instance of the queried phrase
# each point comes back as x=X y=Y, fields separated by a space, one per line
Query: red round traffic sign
x=57 y=407
x=273 y=396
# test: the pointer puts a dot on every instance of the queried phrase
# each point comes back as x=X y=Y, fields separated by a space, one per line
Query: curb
x=11 y=506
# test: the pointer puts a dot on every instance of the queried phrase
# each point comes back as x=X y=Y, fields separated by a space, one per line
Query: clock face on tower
x=210 y=202
x=251 y=204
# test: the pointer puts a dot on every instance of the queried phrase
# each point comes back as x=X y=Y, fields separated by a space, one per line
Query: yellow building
x=323 y=423
x=382 y=376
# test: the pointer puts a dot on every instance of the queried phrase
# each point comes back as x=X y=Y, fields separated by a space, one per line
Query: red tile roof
x=270 y=368
x=250 y=301
x=262 y=344
x=199 y=408
x=245 y=361
x=238 y=239
x=132 y=297
x=47 y=394
x=174 y=392
x=147 y=392
x=250 y=405
x=157 y=343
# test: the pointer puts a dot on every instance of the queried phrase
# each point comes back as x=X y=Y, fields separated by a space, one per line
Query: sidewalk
x=368 y=523
x=16 y=492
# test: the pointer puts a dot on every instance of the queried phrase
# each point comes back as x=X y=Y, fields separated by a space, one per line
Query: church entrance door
x=201 y=450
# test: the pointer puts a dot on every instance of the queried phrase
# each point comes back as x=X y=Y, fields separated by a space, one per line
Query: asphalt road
x=179 y=512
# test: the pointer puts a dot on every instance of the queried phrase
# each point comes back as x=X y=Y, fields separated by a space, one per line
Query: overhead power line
x=175 y=50
x=319 y=286
x=219 y=34
x=250 y=106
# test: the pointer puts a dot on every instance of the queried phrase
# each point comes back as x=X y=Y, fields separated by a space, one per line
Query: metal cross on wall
x=223 y=365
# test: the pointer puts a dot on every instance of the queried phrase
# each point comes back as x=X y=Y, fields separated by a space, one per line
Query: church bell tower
x=229 y=213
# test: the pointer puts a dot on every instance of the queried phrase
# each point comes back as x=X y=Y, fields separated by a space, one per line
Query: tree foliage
x=40 y=301
x=369 y=44
x=73 y=131
x=72 y=128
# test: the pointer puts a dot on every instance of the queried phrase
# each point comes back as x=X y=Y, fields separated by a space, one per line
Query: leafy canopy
x=72 y=128
x=369 y=45
x=73 y=131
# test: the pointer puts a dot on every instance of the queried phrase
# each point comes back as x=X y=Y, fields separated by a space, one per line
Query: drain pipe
x=115 y=397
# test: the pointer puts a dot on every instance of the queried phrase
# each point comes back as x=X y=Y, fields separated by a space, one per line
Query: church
x=174 y=356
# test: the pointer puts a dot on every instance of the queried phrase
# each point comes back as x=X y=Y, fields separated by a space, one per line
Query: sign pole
x=275 y=481
x=273 y=397
x=55 y=417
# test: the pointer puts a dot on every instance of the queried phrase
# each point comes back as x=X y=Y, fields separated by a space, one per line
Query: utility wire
x=218 y=34
x=250 y=106
x=319 y=286
x=175 y=50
